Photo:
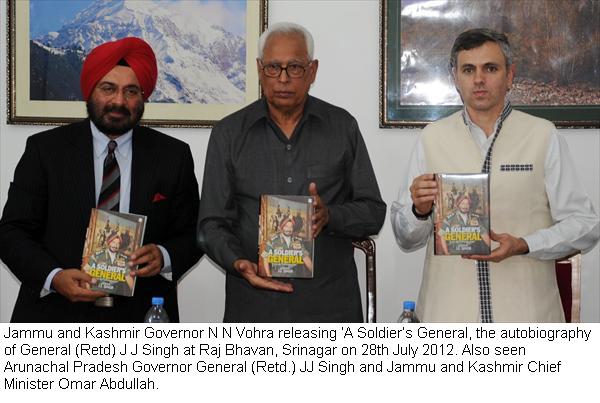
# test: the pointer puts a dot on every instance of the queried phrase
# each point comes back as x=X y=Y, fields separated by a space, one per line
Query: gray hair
x=474 y=38
x=286 y=28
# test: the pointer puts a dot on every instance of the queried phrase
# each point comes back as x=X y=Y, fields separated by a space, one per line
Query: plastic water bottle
x=157 y=312
x=408 y=316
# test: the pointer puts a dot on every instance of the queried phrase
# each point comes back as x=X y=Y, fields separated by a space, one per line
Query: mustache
x=117 y=108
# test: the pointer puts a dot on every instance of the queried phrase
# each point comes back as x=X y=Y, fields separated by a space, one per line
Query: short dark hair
x=474 y=38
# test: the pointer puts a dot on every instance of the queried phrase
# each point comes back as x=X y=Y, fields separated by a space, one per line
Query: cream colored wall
x=347 y=46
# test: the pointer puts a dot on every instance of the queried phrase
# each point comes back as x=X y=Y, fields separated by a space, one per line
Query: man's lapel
x=144 y=161
x=81 y=165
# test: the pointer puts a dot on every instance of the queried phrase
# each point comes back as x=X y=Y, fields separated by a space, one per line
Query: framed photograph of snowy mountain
x=206 y=52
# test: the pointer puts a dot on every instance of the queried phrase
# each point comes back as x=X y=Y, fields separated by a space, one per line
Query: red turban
x=113 y=237
x=103 y=58
x=285 y=221
x=461 y=198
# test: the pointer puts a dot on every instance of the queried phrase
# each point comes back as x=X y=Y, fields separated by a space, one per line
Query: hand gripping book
x=110 y=239
x=285 y=240
x=462 y=214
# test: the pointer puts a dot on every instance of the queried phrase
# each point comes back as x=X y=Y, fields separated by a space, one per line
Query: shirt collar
x=505 y=112
x=100 y=141
x=261 y=110
x=311 y=108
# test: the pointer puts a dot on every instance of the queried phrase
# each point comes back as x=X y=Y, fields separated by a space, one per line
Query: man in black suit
x=62 y=175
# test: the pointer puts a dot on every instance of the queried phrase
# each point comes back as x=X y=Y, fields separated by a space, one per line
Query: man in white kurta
x=539 y=212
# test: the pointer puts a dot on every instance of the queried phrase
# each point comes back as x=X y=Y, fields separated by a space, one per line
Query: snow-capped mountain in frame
x=198 y=61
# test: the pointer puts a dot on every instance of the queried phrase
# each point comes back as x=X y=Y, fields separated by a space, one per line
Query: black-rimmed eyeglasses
x=293 y=70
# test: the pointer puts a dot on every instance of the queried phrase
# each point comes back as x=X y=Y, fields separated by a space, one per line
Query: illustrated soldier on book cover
x=110 y=240
x=462 y=215
x=285 y=244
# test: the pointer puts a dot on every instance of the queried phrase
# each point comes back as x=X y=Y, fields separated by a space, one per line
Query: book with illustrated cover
x=285 y=241
x=110 y=239
x=462 y=214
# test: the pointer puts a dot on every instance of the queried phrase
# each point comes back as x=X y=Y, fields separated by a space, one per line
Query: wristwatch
x=422 y=217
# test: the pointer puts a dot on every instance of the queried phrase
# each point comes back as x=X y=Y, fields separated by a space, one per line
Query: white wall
x=347 y=45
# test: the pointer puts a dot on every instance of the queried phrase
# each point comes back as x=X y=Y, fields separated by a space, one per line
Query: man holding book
x=111 y=162
x=531 y=173
x=288 y=143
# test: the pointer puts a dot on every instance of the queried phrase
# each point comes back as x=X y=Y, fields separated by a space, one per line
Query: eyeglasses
x=109 y=90
x=293 y=70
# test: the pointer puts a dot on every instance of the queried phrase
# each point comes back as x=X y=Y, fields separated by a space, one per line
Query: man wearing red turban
x=134 y=52
x=462 y=216
x=107 y=161
x=130 y=58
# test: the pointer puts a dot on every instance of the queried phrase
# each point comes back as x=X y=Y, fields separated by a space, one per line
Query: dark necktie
x=109 y=197
x=111 y=181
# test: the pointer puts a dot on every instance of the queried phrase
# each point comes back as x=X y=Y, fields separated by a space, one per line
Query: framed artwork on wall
x=206 y=52
x=555 y=46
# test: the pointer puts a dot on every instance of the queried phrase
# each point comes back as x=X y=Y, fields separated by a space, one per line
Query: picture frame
x=416 y=37
x=192 y=106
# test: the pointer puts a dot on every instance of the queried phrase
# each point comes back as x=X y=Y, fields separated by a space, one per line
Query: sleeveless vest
x=523 y=289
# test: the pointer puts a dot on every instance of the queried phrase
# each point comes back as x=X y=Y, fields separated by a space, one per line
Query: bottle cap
x=409 y=305
x=158 y=300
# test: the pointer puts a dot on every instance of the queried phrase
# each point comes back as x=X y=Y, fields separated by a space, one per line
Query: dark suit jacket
x=48 y=208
